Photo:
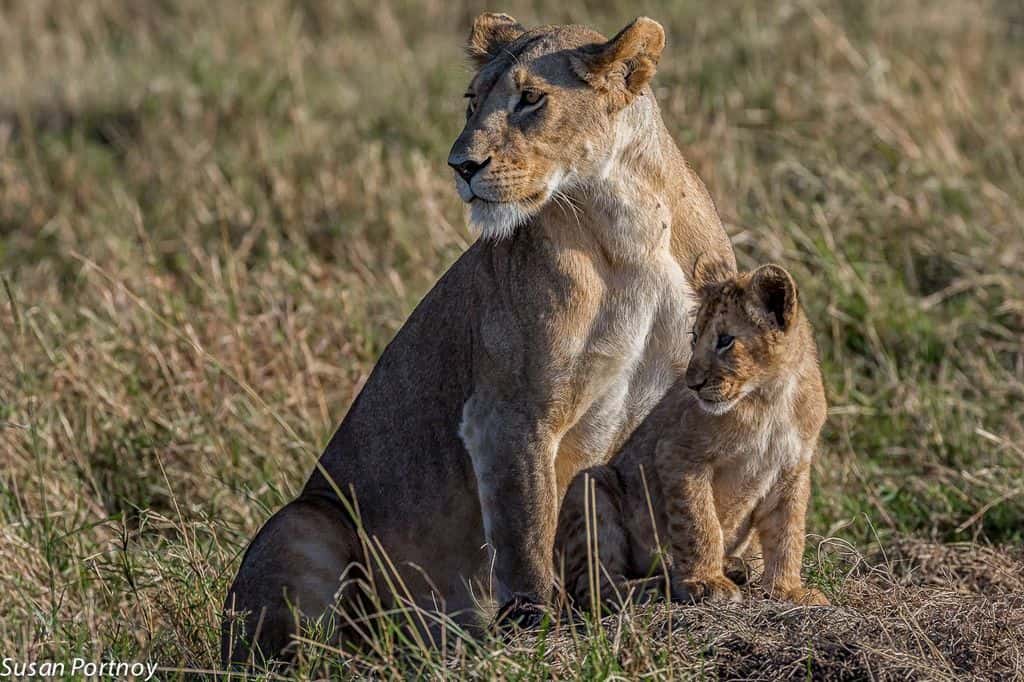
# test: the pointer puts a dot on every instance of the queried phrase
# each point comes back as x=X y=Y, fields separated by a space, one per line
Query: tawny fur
x=721 y=463
x=534 y=356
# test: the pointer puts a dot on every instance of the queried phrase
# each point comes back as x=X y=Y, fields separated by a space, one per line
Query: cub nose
x=697 y=384
x=468 y=168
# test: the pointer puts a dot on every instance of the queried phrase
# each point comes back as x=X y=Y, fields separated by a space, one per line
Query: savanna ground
x=214 y=215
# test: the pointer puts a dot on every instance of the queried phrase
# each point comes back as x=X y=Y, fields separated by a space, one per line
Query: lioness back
x=722 y=462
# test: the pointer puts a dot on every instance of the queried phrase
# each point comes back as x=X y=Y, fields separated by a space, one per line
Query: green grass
x=214 y=216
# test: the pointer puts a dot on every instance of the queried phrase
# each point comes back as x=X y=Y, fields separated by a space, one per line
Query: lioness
x=725 y=456
x=534 y=356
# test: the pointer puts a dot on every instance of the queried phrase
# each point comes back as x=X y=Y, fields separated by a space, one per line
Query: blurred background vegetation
x=214 y=216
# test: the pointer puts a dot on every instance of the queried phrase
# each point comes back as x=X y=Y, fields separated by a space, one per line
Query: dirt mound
x=964 y=566
x=923 y=611
x=900 y=634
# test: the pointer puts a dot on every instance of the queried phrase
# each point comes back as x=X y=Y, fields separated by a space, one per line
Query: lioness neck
x=644 y=200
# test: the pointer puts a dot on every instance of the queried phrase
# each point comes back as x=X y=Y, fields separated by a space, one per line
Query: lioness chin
x=534 y=356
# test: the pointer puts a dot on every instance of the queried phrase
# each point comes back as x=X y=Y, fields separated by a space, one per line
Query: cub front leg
x=782 y=531
x=694 y=532
x=513 y=458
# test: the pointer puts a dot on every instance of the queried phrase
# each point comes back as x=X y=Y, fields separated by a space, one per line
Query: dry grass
x=213 y=216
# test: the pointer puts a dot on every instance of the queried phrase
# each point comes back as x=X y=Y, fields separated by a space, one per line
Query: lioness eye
x=693 y=338
x=471 y=105
x=724 y=343
x=530 y=98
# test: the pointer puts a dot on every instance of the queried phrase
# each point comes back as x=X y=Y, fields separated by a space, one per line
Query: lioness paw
x=714 y=588
x=519 y=612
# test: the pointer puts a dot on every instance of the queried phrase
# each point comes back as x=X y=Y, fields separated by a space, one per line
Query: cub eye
x=724 y=343
x=529 y=98
x=693 y=338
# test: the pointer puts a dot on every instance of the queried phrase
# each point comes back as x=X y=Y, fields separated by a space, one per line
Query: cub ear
x=626 y=63
x=775 y=296
x=709 y=272
x=491 y=33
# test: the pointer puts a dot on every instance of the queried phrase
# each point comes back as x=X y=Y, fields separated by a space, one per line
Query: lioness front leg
x=782 y=537
x=513 y=459
x=694 y=532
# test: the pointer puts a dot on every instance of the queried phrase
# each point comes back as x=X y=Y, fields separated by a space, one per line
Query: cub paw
x=714 y=588
x=737 y=570
x=805 y=596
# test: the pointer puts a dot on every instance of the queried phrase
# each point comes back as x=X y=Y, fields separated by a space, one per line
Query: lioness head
x=741 y=335
x=542 y=112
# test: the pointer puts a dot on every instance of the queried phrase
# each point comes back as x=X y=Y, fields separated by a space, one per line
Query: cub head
x=742 y=335
x=542 y=112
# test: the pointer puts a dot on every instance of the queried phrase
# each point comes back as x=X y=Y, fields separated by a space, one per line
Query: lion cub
x=724 y=457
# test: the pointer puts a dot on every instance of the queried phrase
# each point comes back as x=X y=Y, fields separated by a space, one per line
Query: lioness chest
x=627 y=358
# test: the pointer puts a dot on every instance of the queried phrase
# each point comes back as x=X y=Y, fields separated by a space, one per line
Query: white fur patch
x=499 y=220
x=496 y=220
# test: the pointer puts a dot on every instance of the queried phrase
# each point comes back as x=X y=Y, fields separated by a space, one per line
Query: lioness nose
x=468 y=168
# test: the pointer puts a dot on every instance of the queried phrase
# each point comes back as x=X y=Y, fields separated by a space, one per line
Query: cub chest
x=746 y=480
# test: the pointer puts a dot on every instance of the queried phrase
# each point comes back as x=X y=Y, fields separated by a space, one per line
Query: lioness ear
x=775 y=295
x=491 y=34
x=625 y=63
